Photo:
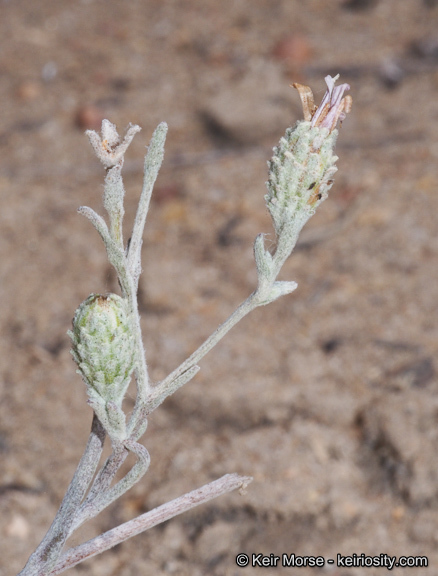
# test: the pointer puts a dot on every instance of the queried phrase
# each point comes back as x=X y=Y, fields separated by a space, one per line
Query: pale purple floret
x=332 y=106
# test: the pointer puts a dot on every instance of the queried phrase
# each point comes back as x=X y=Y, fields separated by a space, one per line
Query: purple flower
x=334 y=105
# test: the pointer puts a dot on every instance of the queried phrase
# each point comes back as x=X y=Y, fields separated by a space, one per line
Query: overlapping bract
x=104 y=352
x=300 y=174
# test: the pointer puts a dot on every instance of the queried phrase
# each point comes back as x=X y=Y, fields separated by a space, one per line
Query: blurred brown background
x=328 y=397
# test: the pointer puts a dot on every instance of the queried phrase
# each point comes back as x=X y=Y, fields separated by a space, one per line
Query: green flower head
x=303 y=165
x=103 y=346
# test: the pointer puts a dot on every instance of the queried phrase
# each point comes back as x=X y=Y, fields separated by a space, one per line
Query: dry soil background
x=328 y=397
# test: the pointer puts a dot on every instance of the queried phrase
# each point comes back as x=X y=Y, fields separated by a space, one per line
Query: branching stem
x=300 y=176
x=105 y=541
x=48 y=551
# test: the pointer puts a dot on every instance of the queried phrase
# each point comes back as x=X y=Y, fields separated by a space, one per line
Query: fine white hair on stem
x=107 y=342
x=144 y=522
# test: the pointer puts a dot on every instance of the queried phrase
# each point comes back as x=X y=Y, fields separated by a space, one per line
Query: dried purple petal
x=334 y=105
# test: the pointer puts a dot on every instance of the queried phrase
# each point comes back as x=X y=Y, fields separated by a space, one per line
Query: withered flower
x=108 y=146
x=334 y=105
x=303 y=165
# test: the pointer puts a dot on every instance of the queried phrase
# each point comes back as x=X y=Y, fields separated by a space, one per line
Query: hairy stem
x=105 y=541
x=101 y=484
x=106 y=497
x=172 y=382
x=47 y=553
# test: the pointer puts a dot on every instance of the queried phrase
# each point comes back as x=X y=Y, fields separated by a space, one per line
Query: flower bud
x=103 y=346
